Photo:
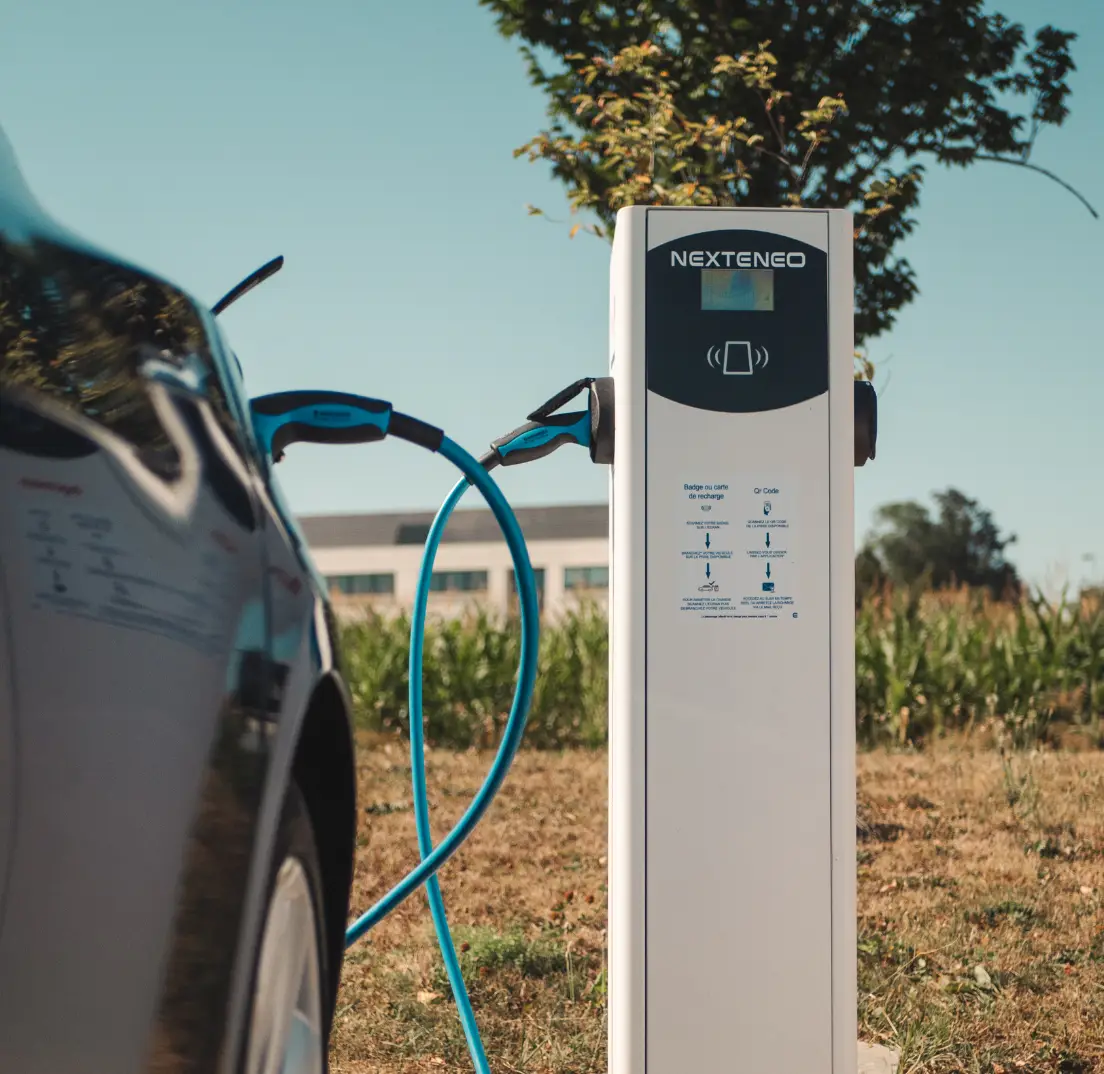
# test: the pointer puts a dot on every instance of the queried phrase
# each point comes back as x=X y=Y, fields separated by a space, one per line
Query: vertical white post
x=732 y=908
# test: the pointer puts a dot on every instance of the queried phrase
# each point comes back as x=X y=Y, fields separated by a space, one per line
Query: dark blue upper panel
x=705 y=348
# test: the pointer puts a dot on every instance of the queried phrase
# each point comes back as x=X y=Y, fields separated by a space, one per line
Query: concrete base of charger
x=877 y=1059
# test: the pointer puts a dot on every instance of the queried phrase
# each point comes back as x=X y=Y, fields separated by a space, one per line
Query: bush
x=470 y=670
x=926 y=664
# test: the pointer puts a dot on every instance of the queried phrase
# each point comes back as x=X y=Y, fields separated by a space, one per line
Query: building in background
x=371 y=562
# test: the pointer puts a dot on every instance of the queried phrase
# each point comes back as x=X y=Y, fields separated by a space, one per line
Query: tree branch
x=785 y=161
x=1042 y=171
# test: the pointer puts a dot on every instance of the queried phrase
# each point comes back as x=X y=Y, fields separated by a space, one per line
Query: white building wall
x=404 y=561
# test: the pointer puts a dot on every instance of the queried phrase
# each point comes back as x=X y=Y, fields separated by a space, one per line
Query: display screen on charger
x=737 y=290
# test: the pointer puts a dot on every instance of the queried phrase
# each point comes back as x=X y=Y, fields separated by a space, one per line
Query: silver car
x=177 y=802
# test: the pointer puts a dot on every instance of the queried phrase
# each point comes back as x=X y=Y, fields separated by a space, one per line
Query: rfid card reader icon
x=737 y=358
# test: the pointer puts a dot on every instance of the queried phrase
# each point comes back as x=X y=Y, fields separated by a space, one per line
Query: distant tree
x=870 y=575
x=959 y=545
x=679 y=102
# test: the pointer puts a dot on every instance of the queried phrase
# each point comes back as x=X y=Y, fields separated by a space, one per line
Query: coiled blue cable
x=418 y=781
x=434 y=857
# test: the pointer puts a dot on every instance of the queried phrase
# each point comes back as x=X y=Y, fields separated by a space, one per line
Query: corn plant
x=926 y=664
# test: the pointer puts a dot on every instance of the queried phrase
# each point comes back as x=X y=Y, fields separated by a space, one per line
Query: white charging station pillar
x=732 y=738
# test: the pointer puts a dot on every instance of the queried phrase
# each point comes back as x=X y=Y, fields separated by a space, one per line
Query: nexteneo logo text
x=736 y=259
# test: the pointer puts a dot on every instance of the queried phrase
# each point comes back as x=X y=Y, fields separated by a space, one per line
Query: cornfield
x=930 y=663
x=926 y=664
x=470 y=668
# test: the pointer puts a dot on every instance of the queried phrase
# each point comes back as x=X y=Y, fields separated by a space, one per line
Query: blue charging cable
x=334 y=417
x=540 y=436
x=418 y=781
x=322 y=417
x=434 y=857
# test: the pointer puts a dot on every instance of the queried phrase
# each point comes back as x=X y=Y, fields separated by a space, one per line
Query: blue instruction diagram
x=735 y=546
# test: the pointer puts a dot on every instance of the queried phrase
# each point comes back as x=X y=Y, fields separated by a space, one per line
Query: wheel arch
x=324 y=768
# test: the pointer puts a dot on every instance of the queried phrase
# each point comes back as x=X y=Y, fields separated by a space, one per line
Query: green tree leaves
x=959 y=545
x=840 y=105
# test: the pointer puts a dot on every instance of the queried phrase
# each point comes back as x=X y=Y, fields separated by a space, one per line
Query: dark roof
x=537 y=523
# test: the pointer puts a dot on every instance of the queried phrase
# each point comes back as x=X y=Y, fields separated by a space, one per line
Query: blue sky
x=371 y=143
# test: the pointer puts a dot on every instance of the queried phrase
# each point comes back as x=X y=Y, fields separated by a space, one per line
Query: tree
x=870 y=576
x=668 y=102
x=961 y=545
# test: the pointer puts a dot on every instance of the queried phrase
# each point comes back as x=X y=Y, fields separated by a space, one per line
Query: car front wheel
x=287 y=1029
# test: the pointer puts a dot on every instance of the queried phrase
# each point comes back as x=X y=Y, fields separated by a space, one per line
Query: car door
x=131 y=564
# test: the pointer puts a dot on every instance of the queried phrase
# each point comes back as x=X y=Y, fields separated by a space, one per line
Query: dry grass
x=527 y=894
x=981 y=887
x=981 y=883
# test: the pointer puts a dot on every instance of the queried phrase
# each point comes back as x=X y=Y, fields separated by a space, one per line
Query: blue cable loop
x=418 y=780
x=528 y=439
x=432 y=859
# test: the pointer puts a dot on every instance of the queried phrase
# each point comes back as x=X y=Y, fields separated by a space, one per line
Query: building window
x=458 y=582
x=586 y=577
x=350 y=585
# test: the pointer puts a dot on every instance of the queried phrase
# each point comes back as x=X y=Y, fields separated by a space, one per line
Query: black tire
x=295 y=843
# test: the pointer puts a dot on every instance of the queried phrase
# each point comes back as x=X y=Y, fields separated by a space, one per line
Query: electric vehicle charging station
x=732 y=738
x=732 y=776
x=732 y=769
x=732 y=741
x=732 y=783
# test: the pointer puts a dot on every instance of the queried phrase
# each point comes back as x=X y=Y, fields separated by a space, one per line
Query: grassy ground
x=981 y=928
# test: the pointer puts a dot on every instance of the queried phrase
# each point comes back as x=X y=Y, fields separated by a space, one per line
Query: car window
x=85 y=330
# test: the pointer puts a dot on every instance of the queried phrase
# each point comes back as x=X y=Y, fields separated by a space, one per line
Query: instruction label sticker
x=86 y=565
x=736 y=546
